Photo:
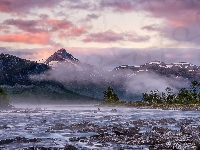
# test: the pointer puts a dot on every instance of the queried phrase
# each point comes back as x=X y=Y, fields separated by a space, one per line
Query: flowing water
x=52 y=123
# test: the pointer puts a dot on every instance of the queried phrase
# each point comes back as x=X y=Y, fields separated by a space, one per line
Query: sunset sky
x=102 y=32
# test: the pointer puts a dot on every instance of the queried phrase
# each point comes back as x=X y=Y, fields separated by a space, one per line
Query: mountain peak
x=62 y=50
x=62 y=55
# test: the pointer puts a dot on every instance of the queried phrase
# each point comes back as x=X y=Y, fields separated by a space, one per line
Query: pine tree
x=110 y=96
x=193 y=90
x=4 y=98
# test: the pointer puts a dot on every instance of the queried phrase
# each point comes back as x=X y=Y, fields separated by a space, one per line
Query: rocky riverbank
x=141 y=134
x=163 y=107
x=99 y=128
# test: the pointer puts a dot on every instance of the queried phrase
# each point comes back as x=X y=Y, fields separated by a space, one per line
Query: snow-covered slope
x=61 y=56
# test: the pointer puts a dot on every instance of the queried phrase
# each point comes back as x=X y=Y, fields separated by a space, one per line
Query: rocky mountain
x=181 y=69
x=15 y=78
x=78 y=77
x=61 y=56
x=14 y=70
x=89 y=80
x=65 y=77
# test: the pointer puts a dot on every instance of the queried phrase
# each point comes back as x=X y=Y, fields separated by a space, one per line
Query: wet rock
x=160 y=130
x=102 y=145
x=95 y=136
x=41 y=148
x=82 y=141
x=38 y=148
x=113 y=110
x=34 y=140
x=197 y=144
x=90 y=144
x=83 y=127
x=20 y=140
x=59 y=127
x=44 y=121
x=131 y=131
x=6 y=141
x=26 y=140
x=70 y=147
x=118 y=133
x=74 y=139
x=4 y=127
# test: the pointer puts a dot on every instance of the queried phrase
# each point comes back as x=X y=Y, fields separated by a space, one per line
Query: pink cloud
x=42 y=38
x=45 y=27
x=151 y=28
x=77 y=31
x=90 y=17
x=176 y=13
x=39 y=25
x=72 y=32
x=110 y=36
x=173 y=13
x=21 y=6
x=118 y=5
x=103 y=37
x=58 y=24
x=133 y=37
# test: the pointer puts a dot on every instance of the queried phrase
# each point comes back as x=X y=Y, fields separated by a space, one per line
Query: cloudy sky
x=106 y=33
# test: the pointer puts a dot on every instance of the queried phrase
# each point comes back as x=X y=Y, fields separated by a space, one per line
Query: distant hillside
x=86 y=79
x=76 y=76
x=14 y=70
x=74 y=80
x=181 y=69
x=15 y=79
x=45 y=92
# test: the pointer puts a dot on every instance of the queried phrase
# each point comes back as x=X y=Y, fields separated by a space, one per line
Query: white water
x=26 y=121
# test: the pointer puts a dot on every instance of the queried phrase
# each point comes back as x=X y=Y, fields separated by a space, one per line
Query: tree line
x=185 y=96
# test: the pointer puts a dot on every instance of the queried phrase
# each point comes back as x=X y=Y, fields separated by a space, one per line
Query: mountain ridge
x=61 y=56
x=180 y=69
x=92 y=80
x=15 y=75
x=95 y=80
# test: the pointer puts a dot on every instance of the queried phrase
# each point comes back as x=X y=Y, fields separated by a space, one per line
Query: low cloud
x=111 y=36
x=87 y=78
x=148 y=81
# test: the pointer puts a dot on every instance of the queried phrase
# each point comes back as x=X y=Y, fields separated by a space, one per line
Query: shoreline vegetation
x=4 y=100
x=185 y=99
